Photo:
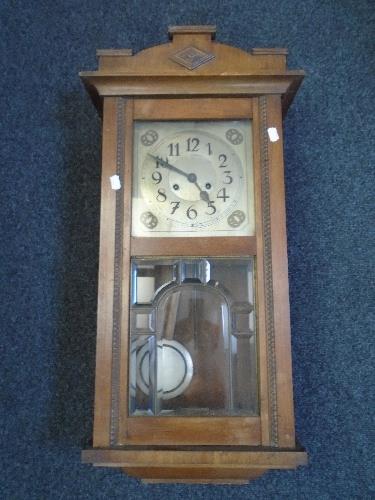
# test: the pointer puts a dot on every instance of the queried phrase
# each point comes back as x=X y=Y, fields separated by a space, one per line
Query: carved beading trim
x=268 y=281
x=116 y=325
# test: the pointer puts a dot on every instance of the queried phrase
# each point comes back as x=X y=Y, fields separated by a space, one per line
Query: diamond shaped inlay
x=191 y=57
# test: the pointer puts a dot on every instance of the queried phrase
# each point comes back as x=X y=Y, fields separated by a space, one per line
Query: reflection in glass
x=193 y=347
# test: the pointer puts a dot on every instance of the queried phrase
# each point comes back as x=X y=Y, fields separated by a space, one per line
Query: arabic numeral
x=228 y=178
x=222 y=194
x=174 y=149
x=156 y=177
x=161 y=195
x=191 y=213
x=175 y=205
x=192 y=144
x=211 y=204
x=223 y=160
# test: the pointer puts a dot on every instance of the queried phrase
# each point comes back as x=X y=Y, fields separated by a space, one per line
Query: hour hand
x=203 y=194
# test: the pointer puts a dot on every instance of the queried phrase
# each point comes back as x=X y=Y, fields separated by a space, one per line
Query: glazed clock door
x=193 y=341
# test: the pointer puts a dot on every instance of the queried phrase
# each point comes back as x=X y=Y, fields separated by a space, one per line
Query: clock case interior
x=218 y=444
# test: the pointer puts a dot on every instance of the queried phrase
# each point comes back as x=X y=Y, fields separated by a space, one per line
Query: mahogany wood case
x=223 y=83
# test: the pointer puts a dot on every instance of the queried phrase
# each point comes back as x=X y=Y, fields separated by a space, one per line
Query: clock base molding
x=199 y=475
x=211 y=465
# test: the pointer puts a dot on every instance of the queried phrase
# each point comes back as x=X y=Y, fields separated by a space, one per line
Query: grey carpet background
x=49 y=203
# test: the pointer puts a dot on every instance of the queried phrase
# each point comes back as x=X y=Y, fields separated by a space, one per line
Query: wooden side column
x=284 y=385
x=105 y=282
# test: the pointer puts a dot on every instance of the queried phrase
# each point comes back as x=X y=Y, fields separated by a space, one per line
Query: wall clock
x=193 y=367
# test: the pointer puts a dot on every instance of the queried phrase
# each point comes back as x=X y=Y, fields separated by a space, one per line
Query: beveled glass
x=193 y=339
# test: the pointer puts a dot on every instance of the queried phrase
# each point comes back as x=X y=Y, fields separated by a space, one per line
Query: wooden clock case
x=193 y=77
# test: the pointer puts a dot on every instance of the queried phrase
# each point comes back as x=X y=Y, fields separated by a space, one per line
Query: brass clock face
x=193 y=179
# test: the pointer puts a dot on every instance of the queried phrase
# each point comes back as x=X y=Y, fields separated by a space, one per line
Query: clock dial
x=192 y=178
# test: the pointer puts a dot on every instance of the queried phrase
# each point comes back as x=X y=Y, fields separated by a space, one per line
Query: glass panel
x=142 y=369
x=200 y=358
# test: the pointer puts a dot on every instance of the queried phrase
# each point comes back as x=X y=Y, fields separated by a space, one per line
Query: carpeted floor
x=49 y=202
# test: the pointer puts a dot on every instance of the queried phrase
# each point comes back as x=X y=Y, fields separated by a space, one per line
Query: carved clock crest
x=191 y=57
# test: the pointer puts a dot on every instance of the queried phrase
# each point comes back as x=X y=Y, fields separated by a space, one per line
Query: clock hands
x=190 y=177
x=203 y=194
x=167 y=165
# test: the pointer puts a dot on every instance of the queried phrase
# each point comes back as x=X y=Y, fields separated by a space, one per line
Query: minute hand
x=167 y=165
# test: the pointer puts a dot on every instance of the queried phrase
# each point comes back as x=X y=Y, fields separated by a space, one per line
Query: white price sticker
x=115 y=182
x=272 y=134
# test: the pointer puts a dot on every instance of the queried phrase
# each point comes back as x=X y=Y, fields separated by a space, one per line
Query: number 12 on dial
x=193 y=179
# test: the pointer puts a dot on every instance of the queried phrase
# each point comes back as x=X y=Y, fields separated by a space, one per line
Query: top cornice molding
x=192 y=64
